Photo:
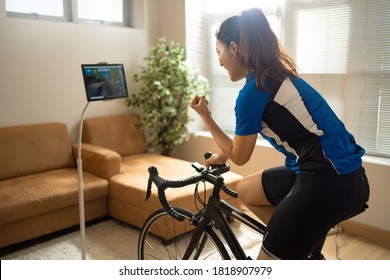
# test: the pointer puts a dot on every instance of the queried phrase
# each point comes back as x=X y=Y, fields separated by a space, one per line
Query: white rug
x=108 y=240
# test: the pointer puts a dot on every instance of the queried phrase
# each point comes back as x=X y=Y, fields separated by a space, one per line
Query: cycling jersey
x=298 y=122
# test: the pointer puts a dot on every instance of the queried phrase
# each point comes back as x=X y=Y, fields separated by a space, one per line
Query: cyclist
x=323 y=181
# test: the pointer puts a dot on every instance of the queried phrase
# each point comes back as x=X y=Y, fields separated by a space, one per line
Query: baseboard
x=369 y=232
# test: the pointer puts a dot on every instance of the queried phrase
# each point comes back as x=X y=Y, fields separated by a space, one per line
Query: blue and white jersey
x=298 y=122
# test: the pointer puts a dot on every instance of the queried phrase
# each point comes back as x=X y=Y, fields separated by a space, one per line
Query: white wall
x=40 y=73
x=166 y=18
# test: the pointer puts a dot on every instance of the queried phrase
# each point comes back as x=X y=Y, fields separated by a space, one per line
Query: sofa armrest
x=99 y=161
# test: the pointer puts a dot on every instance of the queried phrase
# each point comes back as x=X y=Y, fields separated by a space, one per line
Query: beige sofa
x=39 y=184
x=126 y=199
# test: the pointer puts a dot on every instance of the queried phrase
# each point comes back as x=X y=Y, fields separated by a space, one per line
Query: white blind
x=223 y=91
x=195 y=39
x=342 y=48
x=196 y=49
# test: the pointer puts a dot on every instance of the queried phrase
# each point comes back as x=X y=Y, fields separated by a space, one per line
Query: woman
x=322 y=182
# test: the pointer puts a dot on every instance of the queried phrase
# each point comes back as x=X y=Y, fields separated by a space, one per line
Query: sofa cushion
x=118 y=133
x=129 y=187
x=45 y=192
x=28 y=149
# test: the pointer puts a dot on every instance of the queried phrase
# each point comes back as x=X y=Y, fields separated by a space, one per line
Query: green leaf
x=167 y=85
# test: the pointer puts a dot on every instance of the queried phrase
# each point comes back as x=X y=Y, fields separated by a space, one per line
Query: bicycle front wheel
x=164 y=238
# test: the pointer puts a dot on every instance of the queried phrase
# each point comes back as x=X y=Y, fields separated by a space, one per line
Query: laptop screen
x=104 y=81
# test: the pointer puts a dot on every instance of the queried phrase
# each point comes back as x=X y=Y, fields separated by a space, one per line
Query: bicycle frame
x=212 y=215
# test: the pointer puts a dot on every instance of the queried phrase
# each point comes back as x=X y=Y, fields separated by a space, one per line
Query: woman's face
x=228 y=59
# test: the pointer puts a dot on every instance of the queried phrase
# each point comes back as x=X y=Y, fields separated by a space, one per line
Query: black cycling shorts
x=308 y=206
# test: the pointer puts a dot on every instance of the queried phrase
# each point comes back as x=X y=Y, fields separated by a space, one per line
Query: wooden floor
x=340 y=246
x=346 y=246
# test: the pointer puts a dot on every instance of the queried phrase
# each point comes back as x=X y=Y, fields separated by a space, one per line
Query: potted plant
x=167 y=85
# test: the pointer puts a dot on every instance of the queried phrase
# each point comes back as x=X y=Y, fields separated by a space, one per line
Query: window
x=103 y=11
x=342 y=48
x=36 y=8
x=112 y=12
x=204 y=18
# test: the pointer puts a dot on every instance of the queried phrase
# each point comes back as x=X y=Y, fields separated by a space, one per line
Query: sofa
x=39 y=182
x=126 y=198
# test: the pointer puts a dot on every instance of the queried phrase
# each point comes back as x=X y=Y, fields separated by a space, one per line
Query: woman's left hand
x=216 y=159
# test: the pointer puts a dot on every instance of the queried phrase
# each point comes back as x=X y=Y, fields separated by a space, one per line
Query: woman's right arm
x=239 y=149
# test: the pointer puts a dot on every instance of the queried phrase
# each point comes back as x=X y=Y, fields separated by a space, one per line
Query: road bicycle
x=204 y=234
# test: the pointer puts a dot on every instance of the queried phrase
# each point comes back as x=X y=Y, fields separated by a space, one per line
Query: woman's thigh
x=315 y=204
x=250 y=190
x=267 y=187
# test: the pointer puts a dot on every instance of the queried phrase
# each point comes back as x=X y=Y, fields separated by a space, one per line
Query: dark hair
x=229 y=31
x=259 y=48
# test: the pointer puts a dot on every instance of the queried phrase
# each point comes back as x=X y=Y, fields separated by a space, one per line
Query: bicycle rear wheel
x=175 y=240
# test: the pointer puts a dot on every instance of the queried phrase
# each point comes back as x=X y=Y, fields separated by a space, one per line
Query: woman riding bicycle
x=323 y=181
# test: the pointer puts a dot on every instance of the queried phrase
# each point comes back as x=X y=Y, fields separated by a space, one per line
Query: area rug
x=104 y=241
x=108 y=240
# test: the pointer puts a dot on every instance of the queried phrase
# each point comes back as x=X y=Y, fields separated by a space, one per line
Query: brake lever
x=198 y=167
x=149 y=189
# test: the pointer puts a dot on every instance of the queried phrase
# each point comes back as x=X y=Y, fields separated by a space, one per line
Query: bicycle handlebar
x=211 y=176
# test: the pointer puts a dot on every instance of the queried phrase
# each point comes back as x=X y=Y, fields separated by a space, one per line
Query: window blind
x=343 y=49
x=203 y=17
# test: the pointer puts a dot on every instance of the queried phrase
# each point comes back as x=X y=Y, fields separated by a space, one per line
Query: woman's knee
x=245 y=187
x=242 y=188
x=250 y=190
